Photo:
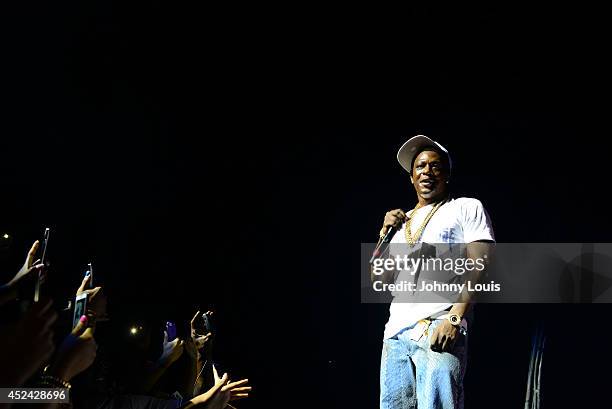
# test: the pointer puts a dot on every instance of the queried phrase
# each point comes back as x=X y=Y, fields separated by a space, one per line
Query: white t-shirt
x=462 y=220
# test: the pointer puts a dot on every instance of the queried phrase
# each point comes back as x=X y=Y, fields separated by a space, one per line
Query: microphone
x=385 y=240
x=390 y=233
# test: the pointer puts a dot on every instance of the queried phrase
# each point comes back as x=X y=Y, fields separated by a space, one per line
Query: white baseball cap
x=415 y=145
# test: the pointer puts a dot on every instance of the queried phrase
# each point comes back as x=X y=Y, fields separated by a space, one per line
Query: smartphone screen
x=203 y=325
x=171 y=330
x=207 y=323
x=208 y=328
x=90 y=272
x=80 y=308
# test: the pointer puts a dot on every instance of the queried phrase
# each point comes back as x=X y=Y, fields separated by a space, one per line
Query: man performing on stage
x=425 y=344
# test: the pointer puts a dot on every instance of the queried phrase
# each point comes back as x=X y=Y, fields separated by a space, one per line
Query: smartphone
x=80 y=308
x=208 y=327
x=204 y=325
x=90 y=272
x=171 y=330
x=43 y=260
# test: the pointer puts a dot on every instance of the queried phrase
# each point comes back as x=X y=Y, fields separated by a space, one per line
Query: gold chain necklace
x=412 y=239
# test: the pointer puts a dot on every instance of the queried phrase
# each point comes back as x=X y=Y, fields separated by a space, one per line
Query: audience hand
x=234 y=390
x=198 y=339
x=96 y=299
x=8 y=291
x=171 y=351
x=76 y=353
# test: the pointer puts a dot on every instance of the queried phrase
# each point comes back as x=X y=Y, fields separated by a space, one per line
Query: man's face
x=429 y=175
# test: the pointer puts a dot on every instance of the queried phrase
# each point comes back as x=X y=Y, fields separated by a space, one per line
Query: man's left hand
x=444 y=337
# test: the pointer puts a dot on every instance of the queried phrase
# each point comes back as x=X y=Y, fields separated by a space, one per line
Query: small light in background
x=6 y=240
x=134 y=330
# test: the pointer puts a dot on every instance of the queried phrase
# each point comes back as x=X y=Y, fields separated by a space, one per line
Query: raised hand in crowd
x=219 y=396
x=171 y=352
x=96 y=299
x=193 y=347
x=76 y=353
x=214 y=398
x=8 y=291
x=200 y=340
x=233 y=390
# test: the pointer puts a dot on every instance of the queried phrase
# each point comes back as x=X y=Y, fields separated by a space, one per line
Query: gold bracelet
x=54 y=381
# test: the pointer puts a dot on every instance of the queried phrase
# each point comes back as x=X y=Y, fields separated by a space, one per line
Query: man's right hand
x=393 y=218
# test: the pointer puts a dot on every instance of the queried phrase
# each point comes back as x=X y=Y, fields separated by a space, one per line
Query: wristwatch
x=454 y=319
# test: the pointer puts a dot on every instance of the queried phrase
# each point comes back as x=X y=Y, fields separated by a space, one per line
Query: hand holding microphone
x=393 y=220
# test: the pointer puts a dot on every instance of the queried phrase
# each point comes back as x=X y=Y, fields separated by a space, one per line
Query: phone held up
x=203 y=324
x=80 y=302
x=207 y=326
x=43 y=260
x=171 y=330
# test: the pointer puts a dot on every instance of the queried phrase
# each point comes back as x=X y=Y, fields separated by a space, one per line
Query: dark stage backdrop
x=202 y=166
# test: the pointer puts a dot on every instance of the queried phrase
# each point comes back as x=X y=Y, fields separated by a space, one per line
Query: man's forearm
x=475 y=251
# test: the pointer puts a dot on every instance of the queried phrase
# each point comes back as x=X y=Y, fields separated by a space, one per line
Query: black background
x=235 y=159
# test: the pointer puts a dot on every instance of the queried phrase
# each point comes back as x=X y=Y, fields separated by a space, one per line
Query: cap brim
x=414 y=145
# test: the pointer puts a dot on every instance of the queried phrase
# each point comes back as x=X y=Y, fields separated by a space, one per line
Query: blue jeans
x=412 y=375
